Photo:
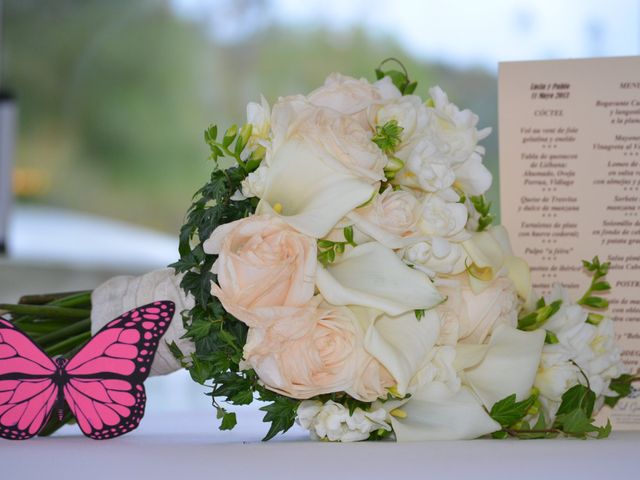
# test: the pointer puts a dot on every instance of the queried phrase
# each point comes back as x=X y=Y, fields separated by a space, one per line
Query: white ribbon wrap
x=121 y=294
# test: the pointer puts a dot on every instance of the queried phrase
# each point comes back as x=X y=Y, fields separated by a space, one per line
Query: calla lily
x=305 y=192
x=451 y=417
x=509 y=366
x=491 y=250
x=402 y=344
x=373 y=276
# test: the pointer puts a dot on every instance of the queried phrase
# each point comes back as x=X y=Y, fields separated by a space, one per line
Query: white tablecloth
x=188 y=446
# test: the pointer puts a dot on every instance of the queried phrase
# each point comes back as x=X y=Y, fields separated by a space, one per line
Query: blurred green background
x=114 y=95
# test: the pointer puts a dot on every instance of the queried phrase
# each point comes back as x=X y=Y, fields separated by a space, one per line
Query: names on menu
x=570 y=183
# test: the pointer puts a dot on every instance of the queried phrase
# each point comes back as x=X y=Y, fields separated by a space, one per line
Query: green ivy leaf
x=622 y=387
x=228 y=421
x=281 y=413
x=508 y=411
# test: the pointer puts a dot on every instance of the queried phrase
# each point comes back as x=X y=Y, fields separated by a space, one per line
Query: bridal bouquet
x=341 y=266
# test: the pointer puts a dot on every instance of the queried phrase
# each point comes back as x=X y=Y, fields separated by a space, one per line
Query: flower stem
x=76 y=328
x=46 y=311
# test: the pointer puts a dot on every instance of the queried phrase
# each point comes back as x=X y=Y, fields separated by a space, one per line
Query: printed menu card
x=569 y=133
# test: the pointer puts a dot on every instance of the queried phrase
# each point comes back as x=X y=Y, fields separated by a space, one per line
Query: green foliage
x=536 y=319
x=281 y=412
x=574 y=417
x=483 y=207
x=622 y=387
x=388 y=136
x=598 y=284
x=328 y=250
x=508 y=411
x=400 y=78
x=218 y=336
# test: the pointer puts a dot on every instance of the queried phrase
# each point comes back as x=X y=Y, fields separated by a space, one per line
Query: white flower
x=123 y=293
x=436 y=256
x=339 y=139
x=259 y=117
x=555 y=377
x=472 y=177
x=254 y=183
x=373 y=276
x=453 y=131
x=332 y=421
x=492 y=248
x=410 y=113
x=439 y=378
x=582 y=349
x=439 y=410
x=391 y=218
x=349 y=96
x=470 y=317
x=427 y=169
x=444 y=219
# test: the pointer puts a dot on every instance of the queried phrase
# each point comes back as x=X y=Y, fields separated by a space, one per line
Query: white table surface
x=188 y=445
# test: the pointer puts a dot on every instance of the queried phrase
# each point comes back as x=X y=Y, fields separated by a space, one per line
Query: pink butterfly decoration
x=102 y=384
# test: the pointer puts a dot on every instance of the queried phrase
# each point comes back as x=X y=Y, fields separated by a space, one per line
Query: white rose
x=344 y=144
x=391 y=218
x=349 y=96
x=472 y=317
x=426 y=168
x=332 y=421
x=442 y=218
x=253 y=184
x=453 y=131
x=436 y=256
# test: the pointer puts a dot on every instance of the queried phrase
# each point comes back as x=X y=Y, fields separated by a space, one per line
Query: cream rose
x=262 y=262
x=325 y=356
x=471 y=318
x=391 y=218
x=340 y=140
x=349 y=96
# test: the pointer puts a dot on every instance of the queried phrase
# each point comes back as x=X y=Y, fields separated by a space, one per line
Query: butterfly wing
x=105 y=388
x=28 y=392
